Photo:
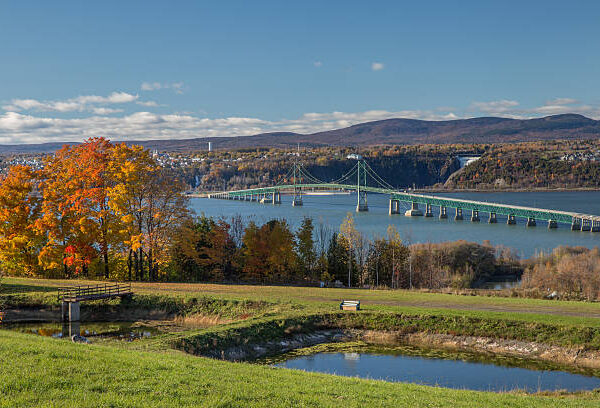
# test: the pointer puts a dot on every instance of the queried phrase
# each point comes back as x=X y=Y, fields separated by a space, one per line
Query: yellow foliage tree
x=19 y=209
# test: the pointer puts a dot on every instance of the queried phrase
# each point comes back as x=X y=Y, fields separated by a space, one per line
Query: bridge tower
x=361 y=204
x=297 y=200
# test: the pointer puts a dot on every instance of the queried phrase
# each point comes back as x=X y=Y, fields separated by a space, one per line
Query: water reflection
x=71 y=329
x=125 y=331
x=441 y=372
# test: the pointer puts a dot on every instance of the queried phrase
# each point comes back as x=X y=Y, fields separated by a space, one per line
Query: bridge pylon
x=297 y=200
x=361 y=203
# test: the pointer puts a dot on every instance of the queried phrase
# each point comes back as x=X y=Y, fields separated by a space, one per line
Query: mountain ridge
x=487 y=129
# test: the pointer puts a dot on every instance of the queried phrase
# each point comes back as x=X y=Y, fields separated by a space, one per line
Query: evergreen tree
x=307 y=256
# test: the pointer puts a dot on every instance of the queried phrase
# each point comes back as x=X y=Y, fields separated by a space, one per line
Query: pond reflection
x=450 y=373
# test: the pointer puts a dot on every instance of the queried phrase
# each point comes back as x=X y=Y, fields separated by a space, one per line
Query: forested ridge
x=555 y=164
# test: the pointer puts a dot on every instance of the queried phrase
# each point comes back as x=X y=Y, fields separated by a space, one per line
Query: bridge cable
x=350 y=173
x=378 y=178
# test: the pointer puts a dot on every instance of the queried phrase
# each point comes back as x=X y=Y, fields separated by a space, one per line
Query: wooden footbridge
x=362 y=179
x=72 y=295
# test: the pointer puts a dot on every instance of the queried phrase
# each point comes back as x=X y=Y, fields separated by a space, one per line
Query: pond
x=457 y=373
x=125 y=331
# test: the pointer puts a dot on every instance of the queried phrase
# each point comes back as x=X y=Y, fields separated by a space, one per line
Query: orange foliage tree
x=93 y=205
x=19 y=208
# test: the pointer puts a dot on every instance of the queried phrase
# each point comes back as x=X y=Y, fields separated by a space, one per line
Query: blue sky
x=149 y=69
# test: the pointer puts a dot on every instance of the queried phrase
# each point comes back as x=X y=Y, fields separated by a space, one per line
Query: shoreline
x=453 y=191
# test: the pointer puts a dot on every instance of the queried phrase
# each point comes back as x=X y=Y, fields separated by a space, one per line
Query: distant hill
x=390 y=131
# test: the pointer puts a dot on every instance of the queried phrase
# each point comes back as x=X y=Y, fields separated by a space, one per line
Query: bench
x=350 y=305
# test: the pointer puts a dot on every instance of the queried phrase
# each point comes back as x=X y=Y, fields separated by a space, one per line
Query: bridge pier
x=394 y=207
x=531 y=222
x=492 y=219
x=586 y=224
x=276 y=197
x=511 y=220
x=475 y=216
x=70 y=311
x=443 y=212
x=297 y=201
x=362 y=205
x=414 y=211
x=576 y=224
x=459 y=215
x=595 y=226
x=428 y=211
x=552 y=224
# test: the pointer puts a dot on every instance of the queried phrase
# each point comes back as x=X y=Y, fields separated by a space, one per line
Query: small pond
x=501 y=284
x=443 y=372
x=126 y=331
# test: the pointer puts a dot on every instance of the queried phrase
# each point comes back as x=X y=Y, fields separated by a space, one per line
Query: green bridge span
x=532 y=215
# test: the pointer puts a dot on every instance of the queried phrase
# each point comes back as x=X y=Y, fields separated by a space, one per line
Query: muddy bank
x=577 y=356
x=248 y=352
x=574 y=356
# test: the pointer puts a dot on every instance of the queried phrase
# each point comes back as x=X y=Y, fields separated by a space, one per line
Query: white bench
x=350 y=305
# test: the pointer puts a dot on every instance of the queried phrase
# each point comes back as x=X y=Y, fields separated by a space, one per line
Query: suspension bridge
x=362 y=179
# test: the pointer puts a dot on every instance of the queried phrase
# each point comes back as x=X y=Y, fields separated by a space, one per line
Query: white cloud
x=377 y=66
x=561 y=101
x=19 y=128
x=177 y=87
x=147 y=103
x=494 y=107
x=318 y=64
x=151 y=86
x=105 y=111
x=78 y=104
x=512 y=109
x=20 y=125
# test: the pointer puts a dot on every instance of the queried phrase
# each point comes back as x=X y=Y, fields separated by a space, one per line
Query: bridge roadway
x=577 y=221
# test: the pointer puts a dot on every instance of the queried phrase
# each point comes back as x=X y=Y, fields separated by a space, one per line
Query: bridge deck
x=94 y=292
x=482 y=206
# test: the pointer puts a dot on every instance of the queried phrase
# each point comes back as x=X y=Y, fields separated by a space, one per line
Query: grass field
x=36 y=371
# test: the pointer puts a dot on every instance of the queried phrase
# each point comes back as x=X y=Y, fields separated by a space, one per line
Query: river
x=332 y=209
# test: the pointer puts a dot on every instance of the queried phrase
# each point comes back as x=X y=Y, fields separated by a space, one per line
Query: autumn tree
x=269 y=253
x=58 y=223
x=255 y=254
x=164 y=210
x=20 y=208
x=352 y=241
x=204 y=250
x=133 y=170
x=90 y=173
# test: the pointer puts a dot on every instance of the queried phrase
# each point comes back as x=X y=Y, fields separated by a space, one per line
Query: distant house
x=354 y=156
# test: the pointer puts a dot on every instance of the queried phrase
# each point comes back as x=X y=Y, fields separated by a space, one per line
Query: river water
x=332 y=209
x=448 y=373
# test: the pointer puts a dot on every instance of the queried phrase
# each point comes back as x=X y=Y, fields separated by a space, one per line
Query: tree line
x=95 y=209
x=230 y=250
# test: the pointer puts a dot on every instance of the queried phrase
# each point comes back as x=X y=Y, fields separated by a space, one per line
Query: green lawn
x=45 y=372
x=324 y=299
